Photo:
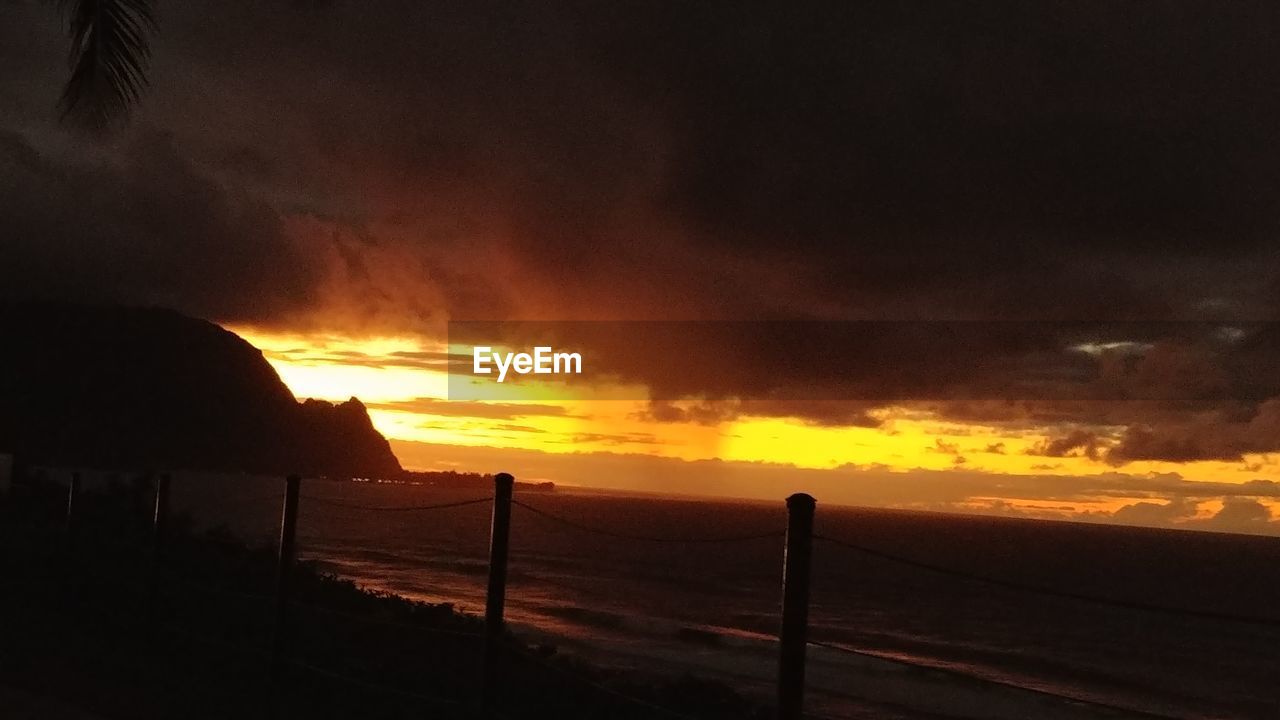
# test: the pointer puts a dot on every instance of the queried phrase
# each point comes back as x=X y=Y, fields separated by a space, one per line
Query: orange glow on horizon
x=405 y=391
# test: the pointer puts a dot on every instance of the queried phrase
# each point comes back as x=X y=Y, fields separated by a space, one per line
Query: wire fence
x=177 y=587
x=604 y=532
x=1052 y=592
x=284 y=603
x=332 y=502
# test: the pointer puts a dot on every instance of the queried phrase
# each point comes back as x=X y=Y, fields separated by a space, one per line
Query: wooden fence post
x=284 y=568
x=795 y=606
x=495 y=600
x=159 y=525
x=73 y=493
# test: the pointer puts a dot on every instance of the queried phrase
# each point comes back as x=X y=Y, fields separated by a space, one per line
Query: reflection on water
x=713 y=608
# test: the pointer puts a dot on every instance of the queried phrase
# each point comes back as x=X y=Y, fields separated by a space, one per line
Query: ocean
x=914 y=615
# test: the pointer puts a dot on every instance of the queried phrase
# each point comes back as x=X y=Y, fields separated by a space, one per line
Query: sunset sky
x=336 y=186
x=906 y=457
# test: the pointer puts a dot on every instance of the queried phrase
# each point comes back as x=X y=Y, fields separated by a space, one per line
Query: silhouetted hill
x=135 y=388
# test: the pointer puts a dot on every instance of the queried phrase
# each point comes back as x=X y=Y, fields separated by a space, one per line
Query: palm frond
x=109 y=58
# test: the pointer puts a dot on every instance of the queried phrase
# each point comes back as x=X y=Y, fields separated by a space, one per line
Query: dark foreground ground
x=90 y=620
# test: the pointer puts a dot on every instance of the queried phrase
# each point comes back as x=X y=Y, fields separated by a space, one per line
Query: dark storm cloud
x=1117 y=392
x=1075 y=443
x=1008 y=159
x=144 y=227
x=1207 y=436
x=830 y=413
x=1014 y=158
x=401 y=162
x=970 y=366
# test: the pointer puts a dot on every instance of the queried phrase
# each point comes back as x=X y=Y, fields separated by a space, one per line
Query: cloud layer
x=325 y=165
x=662 y=160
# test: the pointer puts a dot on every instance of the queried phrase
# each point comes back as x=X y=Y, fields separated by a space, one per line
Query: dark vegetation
x=81 y=624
